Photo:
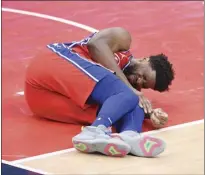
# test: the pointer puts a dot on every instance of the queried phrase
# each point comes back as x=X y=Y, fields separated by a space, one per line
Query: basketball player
x=98 y=79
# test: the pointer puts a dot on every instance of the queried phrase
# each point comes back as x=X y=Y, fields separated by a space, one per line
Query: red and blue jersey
x=80 y=66
x=122 y=58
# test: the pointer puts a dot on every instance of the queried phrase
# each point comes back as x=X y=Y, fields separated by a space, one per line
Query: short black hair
x=164 y=71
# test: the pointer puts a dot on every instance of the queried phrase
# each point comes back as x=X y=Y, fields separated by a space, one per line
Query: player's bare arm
x=107 y=42
x=102 y=48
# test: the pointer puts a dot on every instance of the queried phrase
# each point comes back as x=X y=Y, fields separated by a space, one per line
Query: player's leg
x=116 y=100
x=75 y=77
x=130 y=127
x=131 y=121
x=54 y=106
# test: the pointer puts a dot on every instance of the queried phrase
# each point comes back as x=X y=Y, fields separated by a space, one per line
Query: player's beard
x=131 y=73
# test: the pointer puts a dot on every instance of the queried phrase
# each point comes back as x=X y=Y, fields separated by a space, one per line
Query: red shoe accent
x=116 y=136
x=157 y=143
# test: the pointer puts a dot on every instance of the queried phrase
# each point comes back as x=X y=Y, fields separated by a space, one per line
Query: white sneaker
x=142 y=146
x=97 y=139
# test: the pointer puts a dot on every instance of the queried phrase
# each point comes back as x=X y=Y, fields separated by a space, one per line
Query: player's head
x=154 y=72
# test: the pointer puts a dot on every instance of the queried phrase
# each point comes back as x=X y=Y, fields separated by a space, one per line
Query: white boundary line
x=25 y=167
x=72 y=149
x=53 y=18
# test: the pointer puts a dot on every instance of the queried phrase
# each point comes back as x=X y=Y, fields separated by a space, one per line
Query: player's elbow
x=95 y=45
x=115 y=39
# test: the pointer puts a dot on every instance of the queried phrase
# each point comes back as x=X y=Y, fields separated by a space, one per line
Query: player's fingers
x=145 y=106
x=159 y=113
x=155 y=120
x=163 y=122
x=149 y=106
x=163 y=116
x=156 y=125
x=140 y=103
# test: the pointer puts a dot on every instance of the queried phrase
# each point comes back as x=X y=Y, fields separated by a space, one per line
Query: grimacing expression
x=140 y=74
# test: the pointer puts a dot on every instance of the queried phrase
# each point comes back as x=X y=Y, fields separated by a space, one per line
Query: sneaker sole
x=146 y=146
x=151 y=147
x=113 y=147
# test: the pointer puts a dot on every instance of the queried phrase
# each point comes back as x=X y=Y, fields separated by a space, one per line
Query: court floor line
x=53 y=18
x=25 y=167
x=72 y=149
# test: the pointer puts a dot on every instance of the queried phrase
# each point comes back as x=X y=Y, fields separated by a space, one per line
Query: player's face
x=140 y=74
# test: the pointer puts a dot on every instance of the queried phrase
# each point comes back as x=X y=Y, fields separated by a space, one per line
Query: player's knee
x=131 y=98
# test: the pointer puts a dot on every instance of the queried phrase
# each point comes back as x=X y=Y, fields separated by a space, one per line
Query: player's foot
x=97 y=139
x=142 y=146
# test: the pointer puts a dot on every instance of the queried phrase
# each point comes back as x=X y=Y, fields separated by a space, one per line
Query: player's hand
x=158 y=118
x=144 y=103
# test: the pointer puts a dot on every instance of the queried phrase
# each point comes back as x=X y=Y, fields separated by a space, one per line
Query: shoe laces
x=108 y=131
x=101 y=129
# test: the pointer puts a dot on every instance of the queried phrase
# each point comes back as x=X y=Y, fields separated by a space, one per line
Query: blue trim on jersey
x=91 y=69
x=81 y=42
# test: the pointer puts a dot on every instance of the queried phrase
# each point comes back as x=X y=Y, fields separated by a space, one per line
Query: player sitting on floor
x=99 y=71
